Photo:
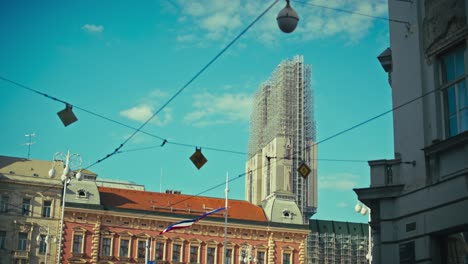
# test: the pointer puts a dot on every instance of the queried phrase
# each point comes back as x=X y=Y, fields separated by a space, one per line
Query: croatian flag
x=189 y=223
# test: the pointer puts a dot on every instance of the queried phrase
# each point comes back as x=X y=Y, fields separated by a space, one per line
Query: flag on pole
x=189 y=223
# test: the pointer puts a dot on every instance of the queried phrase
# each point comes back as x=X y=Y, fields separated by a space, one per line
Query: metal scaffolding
x=329 y=248
x=283 y=108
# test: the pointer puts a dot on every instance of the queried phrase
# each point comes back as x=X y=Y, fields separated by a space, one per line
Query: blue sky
x=124 y=60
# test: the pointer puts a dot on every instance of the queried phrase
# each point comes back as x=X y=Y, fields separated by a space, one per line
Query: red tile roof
x=178 y=203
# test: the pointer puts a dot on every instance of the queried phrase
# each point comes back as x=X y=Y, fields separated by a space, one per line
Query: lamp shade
x=287 y=19
x=52 y=173
x=79 y=176
x=358 y=207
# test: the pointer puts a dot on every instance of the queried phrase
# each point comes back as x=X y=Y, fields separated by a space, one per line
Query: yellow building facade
x=30 y=203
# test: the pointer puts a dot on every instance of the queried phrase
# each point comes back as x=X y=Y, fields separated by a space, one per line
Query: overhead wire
x=186 y=85
x=164 y=141
x=351 y=12
x=241 y=175
x=317 y=143
x=137 y=130
x=321 y=141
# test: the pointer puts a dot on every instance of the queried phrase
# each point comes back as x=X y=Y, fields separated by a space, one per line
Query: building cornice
x=376 y=193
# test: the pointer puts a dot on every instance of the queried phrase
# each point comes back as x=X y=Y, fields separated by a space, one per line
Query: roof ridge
x=181 y=194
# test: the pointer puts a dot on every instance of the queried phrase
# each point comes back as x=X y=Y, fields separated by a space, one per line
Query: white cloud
x=139 y=113
x=223 y=19
x=322 y=23
x=158 y=94
x=136 y=139
x=342 y=205
x=143 y=111
x=340 y=181
x=91 y=28
x=186 y=38
x=211 y=109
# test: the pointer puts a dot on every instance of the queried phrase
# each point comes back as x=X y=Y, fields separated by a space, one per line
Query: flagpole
x=226 y=218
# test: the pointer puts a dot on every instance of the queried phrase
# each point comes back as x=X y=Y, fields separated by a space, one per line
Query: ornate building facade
x=122 y=225
x=30 y=206
x=125 y=226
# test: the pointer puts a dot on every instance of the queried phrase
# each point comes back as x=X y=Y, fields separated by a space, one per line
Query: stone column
x=96 y=242
x=271 y=249
x=302 y=252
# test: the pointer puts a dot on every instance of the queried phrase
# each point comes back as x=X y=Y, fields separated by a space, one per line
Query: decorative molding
x=125 y=234
x=444 y=23
x=96 y=240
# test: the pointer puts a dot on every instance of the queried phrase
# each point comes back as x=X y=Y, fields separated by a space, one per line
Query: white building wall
x=408 y=121
x=421 y=196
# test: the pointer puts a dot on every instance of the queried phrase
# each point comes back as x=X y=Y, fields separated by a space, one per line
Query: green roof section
x=338 y=227
x=356 y=229
x=341 y=228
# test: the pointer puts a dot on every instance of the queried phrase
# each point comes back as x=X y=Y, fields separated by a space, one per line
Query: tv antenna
x=30 y=143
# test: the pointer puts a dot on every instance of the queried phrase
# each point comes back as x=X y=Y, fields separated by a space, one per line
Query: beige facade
x=30 y=203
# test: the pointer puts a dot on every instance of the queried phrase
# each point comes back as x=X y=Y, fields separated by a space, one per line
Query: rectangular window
x=141 y=249
x=260 y=257
x=2 y=239
x=159 y=250
x=286 y=258
x=77 y=243
x=124 y=243
x=176 y=252
x=455 y=91
x=210 y=255
x=4 y=203
x=106 y=246
x=193 y=254
x=22 y=241
x=46 y=207
x=26 y=207
x=42 y=244
x=406 y=252
x=228 y=256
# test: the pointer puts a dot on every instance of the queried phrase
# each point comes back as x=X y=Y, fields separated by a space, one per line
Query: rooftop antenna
x=30 y=143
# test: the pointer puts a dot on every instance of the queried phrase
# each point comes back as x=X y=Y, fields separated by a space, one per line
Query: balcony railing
x=21 y=254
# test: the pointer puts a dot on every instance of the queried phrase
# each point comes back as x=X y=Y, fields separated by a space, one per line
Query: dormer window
x=287 y=213
x=82 y=193
x=90 y=177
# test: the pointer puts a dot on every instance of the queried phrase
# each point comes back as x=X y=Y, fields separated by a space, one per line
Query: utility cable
x=353 y=12
x=186 y=85
x=216 y=57
x=75 y=106
x=321 y=141
x=164 y=141
x=317 y=143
